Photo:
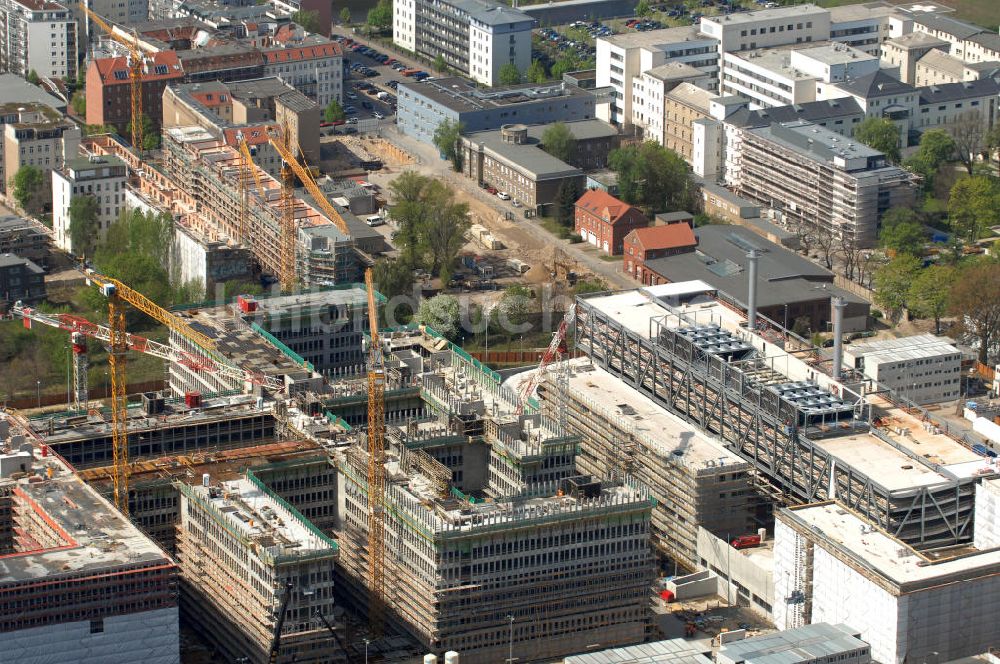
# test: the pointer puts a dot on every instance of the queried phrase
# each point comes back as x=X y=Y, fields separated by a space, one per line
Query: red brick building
x=604 y=221
x=109 y=91
x=644 y=244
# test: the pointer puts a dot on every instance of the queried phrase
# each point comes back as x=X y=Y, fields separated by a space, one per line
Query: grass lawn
x=981 y=12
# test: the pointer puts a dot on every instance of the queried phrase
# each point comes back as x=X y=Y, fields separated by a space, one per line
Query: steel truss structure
x=722 y=384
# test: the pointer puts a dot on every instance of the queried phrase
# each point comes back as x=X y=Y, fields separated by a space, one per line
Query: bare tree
x=825 y=241
x=852 y=254
x=969 y=133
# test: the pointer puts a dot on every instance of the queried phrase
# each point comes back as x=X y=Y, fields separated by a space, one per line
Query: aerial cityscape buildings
x=581 y=332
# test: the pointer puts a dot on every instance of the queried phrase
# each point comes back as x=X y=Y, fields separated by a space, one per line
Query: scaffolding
x=723 y=384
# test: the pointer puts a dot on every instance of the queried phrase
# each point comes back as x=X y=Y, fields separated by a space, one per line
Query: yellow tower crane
x=376 y=408
x=119 y=295
x=247 y=172
x=136 y=59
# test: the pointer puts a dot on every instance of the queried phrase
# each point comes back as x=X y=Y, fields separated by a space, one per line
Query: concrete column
x=838 y=305
x=752 y=256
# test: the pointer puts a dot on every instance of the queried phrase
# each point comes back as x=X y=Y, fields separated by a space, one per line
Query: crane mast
x=376 y=465
x=557 y=348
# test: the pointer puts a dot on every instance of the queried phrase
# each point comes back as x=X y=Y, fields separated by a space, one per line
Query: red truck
x=746 y=542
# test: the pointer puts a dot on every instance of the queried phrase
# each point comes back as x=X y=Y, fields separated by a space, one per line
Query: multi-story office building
x=817 y=177
x=475 y=37
x=423 y=106
x=905 y=51
x=250 y=564
x=744 y=31
x=924 y=368
x=622 y=59
x=38 y=36
x=39 y=137
x=682 y=107
x=863 y=26
x=103 y=178
x=649 y=107
x=791 y=74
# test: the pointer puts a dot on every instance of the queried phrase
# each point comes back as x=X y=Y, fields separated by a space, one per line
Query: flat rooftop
x=70 y=427
x=858 y=544
x=354 y=295
x=462 y=96
x=860 y=12
x=672 y=651
x=662 y=431
x=263 y=520
x=93 y=536
x=816 y=142
x=915 y=346
x=741 y=18
x=657 y=39
x=817 y=642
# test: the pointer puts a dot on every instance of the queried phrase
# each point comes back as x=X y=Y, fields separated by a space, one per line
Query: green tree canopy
x=643 y=8
x=892 y=284
x=440 y=65
x=928 y=294
x=536 y=72
x=28 y=185
x=83 y=226
x=380 y=16
x=975 y=300
x=559 y=142
x=345 y=16
x=333 y=111
x=654 y=177
x=150 y=134
x=563 y=65
x=566 y=198
x=936 y=147
x=511 y=313
x=441 y=312
x=79 y=103
x=309 y=20
x=974 y=206
x=880 y=134
x=33 y=77
x=432 y=225
x=902 y=232
x=510 y=74
x=446 y=138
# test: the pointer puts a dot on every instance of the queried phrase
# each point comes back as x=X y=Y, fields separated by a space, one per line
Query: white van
x=374 y=220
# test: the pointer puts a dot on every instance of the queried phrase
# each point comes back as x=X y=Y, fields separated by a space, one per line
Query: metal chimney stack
x=838 y=305
x=752 y=257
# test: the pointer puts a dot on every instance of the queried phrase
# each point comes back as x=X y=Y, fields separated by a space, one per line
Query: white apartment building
x=768 y=27
x=863 y=26
x=38 y=136
x=37 y=36
x=314 y=68
x=475 y=37
x=622 y=59
x=942 y=106
x=102 y=177
x=651 y=88
x=906 y=51
x=791 y=74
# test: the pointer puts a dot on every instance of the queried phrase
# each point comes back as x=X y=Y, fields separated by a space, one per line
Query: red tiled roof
x=254 y=135
x=108 y=68
x=603 y=204
x=671 y=236
x=297 y=53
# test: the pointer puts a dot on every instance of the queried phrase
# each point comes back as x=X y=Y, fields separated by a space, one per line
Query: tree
x=880 y=134
x=851 y=253
x=510 y=74
x=79 y=103
x=334 y=111
x=653 y=177
x=33 y=77
x=380 y=16
x=28 y=186
x=309 y=20
x=442 y=313
x=432 y=225
x=345 y=16
x=83 y=227
x=892 y=284
x=902 y=232
x=975 y=299
x=643 y=8
x=150 y=134
x=928 y=294
x=440 y=65
x=592 y=285
x=969 y=133
x=974 y=206
x=394 y=279
x=446 y=138
x=536 y=72
x=563 y=65
x=559 y=142
x=566 y=198
x=992 y=141
x=512 y=311
x=936 y=147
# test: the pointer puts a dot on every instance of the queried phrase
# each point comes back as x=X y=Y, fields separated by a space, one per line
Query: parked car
x=746 y=541
x=352 y=120
x=378 y=116
x=503 y=195
x=491 y=189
